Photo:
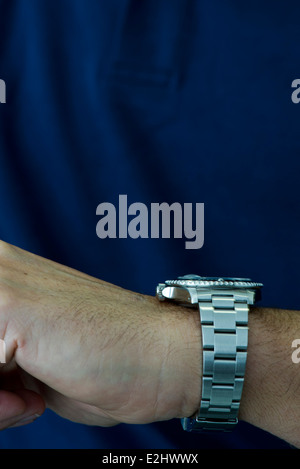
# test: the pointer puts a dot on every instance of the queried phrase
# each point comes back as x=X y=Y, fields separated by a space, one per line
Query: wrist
x=182 y=367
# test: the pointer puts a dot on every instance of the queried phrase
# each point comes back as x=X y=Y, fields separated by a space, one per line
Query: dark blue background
x=162 y=100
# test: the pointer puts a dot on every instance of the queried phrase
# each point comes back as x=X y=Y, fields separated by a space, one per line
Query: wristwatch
x=224 y=305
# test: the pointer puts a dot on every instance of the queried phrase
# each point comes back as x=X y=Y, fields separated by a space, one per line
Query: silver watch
x=224 y=306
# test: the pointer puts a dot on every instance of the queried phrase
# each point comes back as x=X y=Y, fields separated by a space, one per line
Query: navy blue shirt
x=165 y=101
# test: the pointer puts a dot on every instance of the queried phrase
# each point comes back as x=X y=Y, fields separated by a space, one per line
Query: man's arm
x=98 y=354
x=271 y=396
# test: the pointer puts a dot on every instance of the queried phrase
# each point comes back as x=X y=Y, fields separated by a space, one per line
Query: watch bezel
x=211 y=282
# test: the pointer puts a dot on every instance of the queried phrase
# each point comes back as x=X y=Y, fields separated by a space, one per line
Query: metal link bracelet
x=224 y=325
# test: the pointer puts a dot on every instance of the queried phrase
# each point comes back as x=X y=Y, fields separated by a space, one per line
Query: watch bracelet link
x=224 y=325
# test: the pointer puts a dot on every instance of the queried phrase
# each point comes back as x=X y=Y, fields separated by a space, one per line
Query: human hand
x=92 y=352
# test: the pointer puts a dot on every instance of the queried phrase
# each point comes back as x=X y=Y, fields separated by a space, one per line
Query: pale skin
x=100 y=355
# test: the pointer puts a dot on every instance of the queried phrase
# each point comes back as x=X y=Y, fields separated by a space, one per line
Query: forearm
x=271 y=398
